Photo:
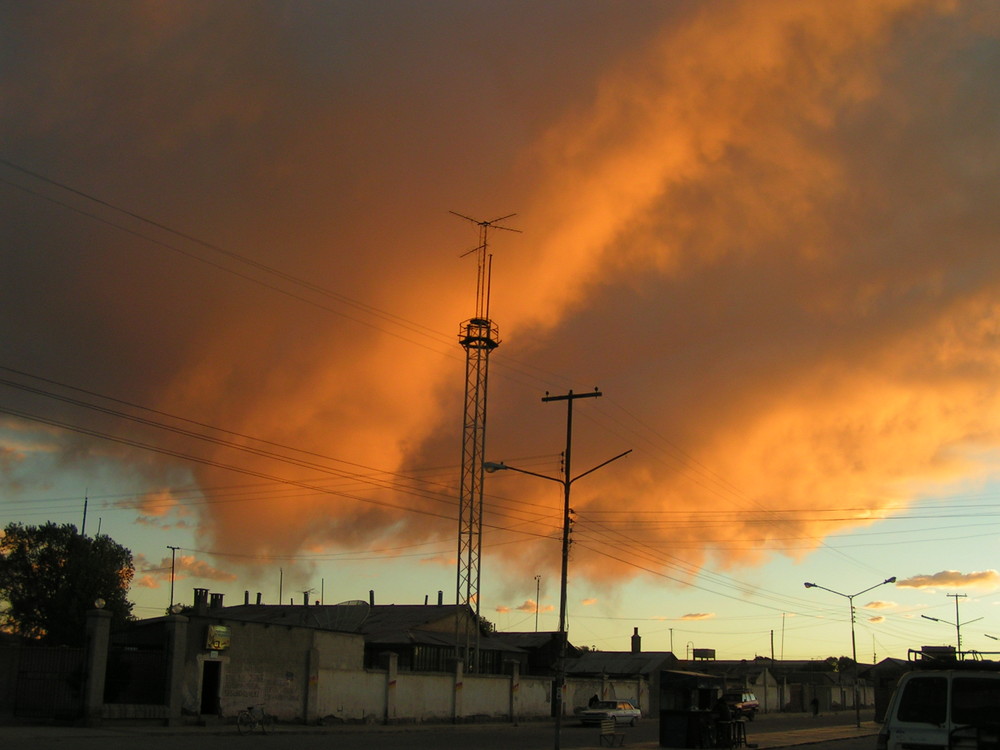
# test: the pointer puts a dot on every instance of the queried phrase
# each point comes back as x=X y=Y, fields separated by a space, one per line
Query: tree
x=838 y=664
x=51 y=575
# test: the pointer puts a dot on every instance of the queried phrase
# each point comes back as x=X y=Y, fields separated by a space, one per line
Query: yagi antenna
x=484 y=227
x=485 y=261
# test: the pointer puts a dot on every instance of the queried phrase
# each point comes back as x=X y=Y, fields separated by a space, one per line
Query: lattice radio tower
x=479 y=337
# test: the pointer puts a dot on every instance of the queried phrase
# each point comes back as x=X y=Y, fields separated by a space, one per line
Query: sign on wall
x=217 y=638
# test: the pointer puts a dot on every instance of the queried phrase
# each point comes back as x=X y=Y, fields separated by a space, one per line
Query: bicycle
x=252 y=717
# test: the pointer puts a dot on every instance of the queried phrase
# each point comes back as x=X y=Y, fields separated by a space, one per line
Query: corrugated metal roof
x=620 y=662
x=432 y=625
x=529 y=639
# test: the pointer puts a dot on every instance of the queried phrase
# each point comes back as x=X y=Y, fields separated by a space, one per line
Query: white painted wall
x=361 y=695
x=424 y=697
x=486 y=696
x=355 y=695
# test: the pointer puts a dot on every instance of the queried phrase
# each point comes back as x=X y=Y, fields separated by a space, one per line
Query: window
x=924 y=700
x=975 y=700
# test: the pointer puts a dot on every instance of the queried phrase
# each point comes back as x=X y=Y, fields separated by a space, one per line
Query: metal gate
x=136 y=676
x=50 y=683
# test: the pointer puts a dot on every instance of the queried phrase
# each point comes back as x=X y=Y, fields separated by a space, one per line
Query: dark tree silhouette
x=51 y=575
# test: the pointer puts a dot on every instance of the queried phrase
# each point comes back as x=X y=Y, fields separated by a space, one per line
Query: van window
x=924 y=701
x=975 y=700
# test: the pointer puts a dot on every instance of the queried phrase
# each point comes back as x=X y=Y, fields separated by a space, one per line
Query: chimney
x=440 y=598
x=636 y=641
x=200 y=601
x=305 y=598
x=371 y=597
x=246 y=597
x=258 y=597
x=216 y=602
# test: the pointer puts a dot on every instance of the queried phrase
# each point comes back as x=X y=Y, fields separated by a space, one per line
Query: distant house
x=884 y=677
x=626 y=675
x=541 y=651
x=422 y=636
x=792 y=685
x=353 y=661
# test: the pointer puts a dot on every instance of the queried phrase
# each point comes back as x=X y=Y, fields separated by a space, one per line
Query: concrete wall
x=425 y=697
x=351 y=696
x=276 y=665
x=534 y=697
x=304 y=675
x=487 y=697
x=376 y=696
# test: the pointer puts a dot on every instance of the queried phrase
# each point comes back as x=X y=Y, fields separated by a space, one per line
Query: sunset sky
x=765 y=230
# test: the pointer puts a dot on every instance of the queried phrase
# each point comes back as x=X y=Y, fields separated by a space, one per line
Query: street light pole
x=566 y=481
x=854 y=648
x=957 y=625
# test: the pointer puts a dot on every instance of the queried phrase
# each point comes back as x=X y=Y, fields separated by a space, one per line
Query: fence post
x=456 y=715
x=391 y=678
x=177 y=626
x=515 y=691
x=312 y=684
x=98 y=636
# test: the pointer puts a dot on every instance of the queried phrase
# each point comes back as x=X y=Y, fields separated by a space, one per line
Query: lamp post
x=957 y=625
x=566 y=481
x=854 y=649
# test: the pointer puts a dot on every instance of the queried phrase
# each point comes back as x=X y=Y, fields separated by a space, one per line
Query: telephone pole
x=567 y=482
x=958 y=625
x=173 y=558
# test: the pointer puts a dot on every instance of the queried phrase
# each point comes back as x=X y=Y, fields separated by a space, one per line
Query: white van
x=944 y=709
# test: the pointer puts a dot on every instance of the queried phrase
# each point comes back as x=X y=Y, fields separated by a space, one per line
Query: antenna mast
x=478 y=336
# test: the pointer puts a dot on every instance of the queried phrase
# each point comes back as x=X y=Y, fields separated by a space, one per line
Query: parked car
x=622 y=712
x=742 y=704
x=944 y=708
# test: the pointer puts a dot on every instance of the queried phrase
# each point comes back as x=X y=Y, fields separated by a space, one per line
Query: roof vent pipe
x=371 y=597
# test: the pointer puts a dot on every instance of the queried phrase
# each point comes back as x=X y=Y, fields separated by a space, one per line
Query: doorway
x=211 y=682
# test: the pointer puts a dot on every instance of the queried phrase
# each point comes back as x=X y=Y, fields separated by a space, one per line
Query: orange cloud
x=698 y=616
x=986 y=579
x=723 y=222
x=184 y=566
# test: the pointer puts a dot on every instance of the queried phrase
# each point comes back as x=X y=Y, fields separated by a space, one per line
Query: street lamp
x=566 y=481
x=957 y=625
x=854 y=649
